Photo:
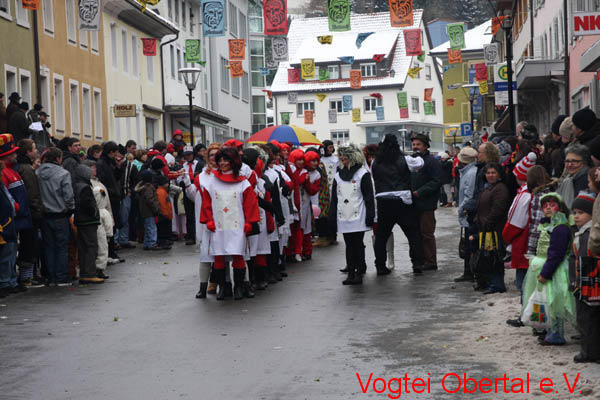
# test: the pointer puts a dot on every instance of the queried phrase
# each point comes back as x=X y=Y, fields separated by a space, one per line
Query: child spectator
x=165 y=217
x=149 y=208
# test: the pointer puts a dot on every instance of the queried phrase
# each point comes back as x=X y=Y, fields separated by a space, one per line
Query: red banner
x=293 y=75
x=355 y=79
x=412 y=42
x=31 y=4
x=401 y=13
x=404 y=113
x=427 y=94
x=149 y=46
x=275 y=16
x=378 y=57
x=481 y=72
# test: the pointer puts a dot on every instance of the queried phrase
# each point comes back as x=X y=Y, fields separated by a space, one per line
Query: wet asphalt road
x=143 y=335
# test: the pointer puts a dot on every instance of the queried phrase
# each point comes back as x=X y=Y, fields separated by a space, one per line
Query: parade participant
x=158 y=152
x=194 y=193
x=309 y=190
x=330 y=164
x=391 y=174
x=353 y=208
x=189 y=166
x=298 y=174
x=230 y=212
x=8 y=239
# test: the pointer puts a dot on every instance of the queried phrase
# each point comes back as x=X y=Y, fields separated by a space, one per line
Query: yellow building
x=73 y=80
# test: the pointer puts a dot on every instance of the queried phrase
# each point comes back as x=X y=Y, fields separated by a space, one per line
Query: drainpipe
x=36 y=56
x=531 y=27
x=567 y=61
x=162 y=81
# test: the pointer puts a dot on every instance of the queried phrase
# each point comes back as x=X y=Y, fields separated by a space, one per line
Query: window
x=134 y=56
x=433 y=106
x=243 y=24
x=172 y=51
x=414 y=102
x=371 y=103
x=257 y=61
x=71 y=34
x=22 y=14
x=345 y=70
x=301 y=107
x=177 y=11
x=86 y=108
x=368 y=70
x=59 y=104
x=25 y=81
x=83 y=39
x=235 y=87
x=416 y=65
x=428 y=72
x=233 y=24
x=48 y=15
x=336 y=105
x=255 y=14
x=334 y=71
x=150 y=68
x=74 y=103
x=259 y=118
x=183 y=24
x=170 y=9
x=340 y=137
x=45 y=91
x=178 y=64
x=151 y=131
x=5 y=9
x=245 y=88
x=124 y=50
x=114 y=50
x=10 y=79
x=224 y=75
x=97 y=113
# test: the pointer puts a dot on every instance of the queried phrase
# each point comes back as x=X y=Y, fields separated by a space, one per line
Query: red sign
x=275 y=15
x=293 y=75
x=481 y=72
x=412 y=42
x=31 y=4
x=404 y=113
x=149 y=45
x=586 y=23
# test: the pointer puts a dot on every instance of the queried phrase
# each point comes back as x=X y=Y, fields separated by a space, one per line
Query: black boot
x=202 y=292
x=467 y=275
x=238 y=280
x=228 y=289
x=221 y=284
x=350 y=278
x=270 y=275
x=345 y=270
x=382 y=270
x=248 y=291
x=260 y=283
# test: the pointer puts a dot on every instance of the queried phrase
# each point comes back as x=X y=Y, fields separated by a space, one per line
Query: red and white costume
x=516 y=230
x=194 y=193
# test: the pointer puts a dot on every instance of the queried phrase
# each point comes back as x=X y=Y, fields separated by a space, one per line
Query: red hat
x=296 y=155
x=178 y=132
x=523 y=166
x=7 y=145
x=311 y=155
x=283 y=146
x=276 y=143
x=170 y=148
x=234 y=143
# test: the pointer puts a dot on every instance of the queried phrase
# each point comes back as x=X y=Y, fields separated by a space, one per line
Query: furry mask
x=353 y=153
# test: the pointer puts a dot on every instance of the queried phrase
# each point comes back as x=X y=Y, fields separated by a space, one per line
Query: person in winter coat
x=87 y=219
x=577 y=162
x=13 y=104
x=426 y=184
x=230 y=213
x=8 y=238
x=467 y=158
x=178 y=142
x=586 y=282
x=586 y=126
x=70 y=153
x=189 y=164
x=18 y=123
x=149 y=208
x=165 y=217
x=446 y=179
x=57 y=195
x=29 y=249
x=353 y=208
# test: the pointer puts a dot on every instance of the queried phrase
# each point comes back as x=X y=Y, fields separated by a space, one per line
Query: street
x=143 y=335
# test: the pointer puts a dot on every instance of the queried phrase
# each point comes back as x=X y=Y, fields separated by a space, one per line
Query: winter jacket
x=391 y=177
x=589 y=135
x=16 y=187
x=56 y=190
x=18 y=125
x=446 y=172
x=594 y=241
x=426 y=182
x=11 y=108
x=516 y=230
x=105 y=170
x=8 y=231
x=492 y=208
x=3 y=118
x=480 y=184
x=70 y=162
x=148 y=201
x=103 y=203
x=25 y=169
x=178 y=145
x=166 y=210
x=86 y=209
x=465 y=192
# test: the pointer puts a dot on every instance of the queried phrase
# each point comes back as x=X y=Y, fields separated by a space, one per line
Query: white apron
x=260 y=244
x=351 y=209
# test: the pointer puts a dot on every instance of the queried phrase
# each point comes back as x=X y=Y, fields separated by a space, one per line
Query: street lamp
x=403 y=133
x=507 y=25
x=190 y=76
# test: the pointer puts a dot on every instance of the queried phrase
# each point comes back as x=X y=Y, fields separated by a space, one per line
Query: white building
x=387 y=78
x=131 y=77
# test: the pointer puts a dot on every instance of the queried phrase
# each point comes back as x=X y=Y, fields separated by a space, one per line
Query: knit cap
x=584 y=202
x=523 y=166
x=584 y=119
x=566 y=129
x=467 y=155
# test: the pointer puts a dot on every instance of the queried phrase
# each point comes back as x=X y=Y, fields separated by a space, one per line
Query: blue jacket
x=466 y=192
x=7 y=215
x=16 y=187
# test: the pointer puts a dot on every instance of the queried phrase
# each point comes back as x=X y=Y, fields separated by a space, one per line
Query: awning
x=199 y=112
x=130 y=12
x=590 y=60
x=152 y=109
x=536 y=74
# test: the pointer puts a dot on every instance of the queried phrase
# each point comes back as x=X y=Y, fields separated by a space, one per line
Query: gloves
x=247 y=228
x=210 y=225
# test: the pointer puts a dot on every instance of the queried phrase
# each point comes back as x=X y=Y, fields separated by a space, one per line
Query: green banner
x=338 y=12
x=323 y=73
x=192 y=51
x=456 y=33
x=421 y=57
x=402 y=100
x=428 y=107
x=285 y=118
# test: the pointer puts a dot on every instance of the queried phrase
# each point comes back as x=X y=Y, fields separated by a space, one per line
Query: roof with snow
x=475 y=39
x=303 y=43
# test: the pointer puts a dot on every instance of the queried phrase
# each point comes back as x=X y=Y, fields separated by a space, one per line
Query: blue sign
x=503 y=86
x=466 y=129
x=477 y=104
x=471 y=75
x=380 y=113
x=214 y=18
x=347 y=103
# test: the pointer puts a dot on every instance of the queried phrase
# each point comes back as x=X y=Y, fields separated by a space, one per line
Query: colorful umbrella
x=285 y=134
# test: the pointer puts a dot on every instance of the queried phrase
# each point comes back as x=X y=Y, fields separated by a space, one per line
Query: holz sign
x=586 y=23
x=124 y=110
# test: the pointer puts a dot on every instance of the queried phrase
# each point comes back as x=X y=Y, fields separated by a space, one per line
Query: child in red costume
x=311 y=187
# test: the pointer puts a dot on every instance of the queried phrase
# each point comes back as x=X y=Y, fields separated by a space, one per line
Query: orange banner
x=309 y=116
x=401 y=13
x=31 y=4
x=450 y=102
x=497 y=23
x=235 y=67
x=355 y=79
x=454 y=56
x=427 y=94
x=237 y=49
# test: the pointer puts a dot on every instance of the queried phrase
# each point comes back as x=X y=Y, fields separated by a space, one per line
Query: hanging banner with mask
x=192 y=51
x=275 y=16
x=285 y=118
x=149 y=46
x=292 y=97
x=308 y=68
x=338 y=12
x=293 y=75
x=428 y=107
x=236 y=69
x=456 y=33
x=31 y=4
x=380 y=113
x=347 y=103
x=279 y=48
x=404 y=113
x=355 y=79
x=450 y=102
x=321 y=97
x=213 y=18
x=356 y=115
x=414 y=72
x=309 y=116
x=378 y=57
x=483 y=87
x=401 y=13
x=323 y=73
x=402 y=99
x=332 y=116
x=481 y=72
x=89 y=15
x=491 y=54
x=327 y=39
x=145 y=3
x=421 y=57
x=237 y=49
x=497 y=23
x=412 y=42
x=427 y=94
x=361 y=38
x=454 y=56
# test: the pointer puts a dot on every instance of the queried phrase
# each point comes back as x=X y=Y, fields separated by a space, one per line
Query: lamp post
x=190 y=76
x=403 y=133
x=507 y=25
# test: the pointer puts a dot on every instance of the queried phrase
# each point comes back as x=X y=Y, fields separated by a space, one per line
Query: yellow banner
x=356 y=115
x=308 y=68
